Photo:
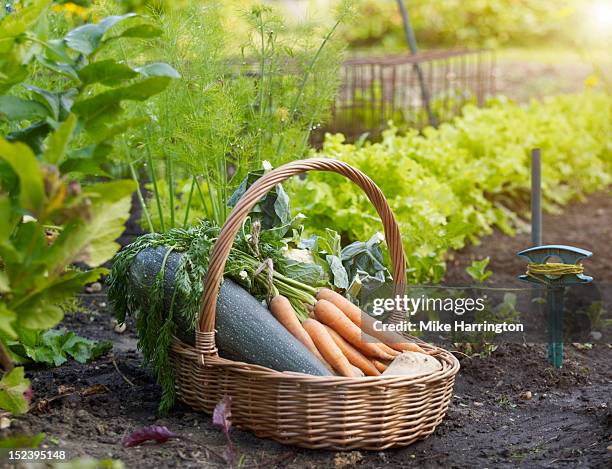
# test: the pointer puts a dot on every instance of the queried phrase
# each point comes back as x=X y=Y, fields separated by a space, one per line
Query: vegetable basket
x=331 y=412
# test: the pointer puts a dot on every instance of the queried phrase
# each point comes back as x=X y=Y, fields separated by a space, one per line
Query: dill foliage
x=251 y=89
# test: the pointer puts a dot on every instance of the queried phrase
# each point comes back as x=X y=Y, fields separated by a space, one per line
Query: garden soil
x=510 y=409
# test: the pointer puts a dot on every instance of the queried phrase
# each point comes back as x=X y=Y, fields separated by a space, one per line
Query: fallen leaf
x=223 y=413
x=157 y=433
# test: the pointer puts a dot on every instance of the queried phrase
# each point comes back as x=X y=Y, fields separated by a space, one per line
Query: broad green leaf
x=158 y=69
x=87 y=38
x=13 y=108
x=62 y=68
x=56 y=51
x=111 y=204
x=108 y=72
x=70 y=282
x=13 y=385
x=25 y=165
x=92 y=241
x=84 y=39
x=33 y=136
x=58 y=141
x=6 y=218
x=7 y=319
x=338 y=272
x=141 y=90
x=47 y=98
x=39 y=316
x=87 y=160
x=12 y=70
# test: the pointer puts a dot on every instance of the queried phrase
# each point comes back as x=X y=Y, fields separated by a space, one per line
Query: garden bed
x=87 y=409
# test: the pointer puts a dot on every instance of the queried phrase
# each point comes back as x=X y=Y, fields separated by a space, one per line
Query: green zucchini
x=246 y=330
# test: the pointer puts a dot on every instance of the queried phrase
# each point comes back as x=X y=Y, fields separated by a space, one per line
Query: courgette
x=246 y=330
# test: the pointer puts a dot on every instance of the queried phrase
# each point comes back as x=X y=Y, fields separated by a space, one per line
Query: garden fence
x=375 y=90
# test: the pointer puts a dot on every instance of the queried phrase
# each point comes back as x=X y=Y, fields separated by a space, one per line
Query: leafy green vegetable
x=478 y=270
x=53 y=347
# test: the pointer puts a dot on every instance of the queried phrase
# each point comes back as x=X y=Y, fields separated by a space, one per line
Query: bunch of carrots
x=341 y=335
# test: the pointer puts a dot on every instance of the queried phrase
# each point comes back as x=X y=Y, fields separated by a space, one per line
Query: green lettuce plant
x=451 y=185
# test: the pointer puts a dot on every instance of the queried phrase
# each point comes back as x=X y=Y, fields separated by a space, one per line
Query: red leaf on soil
x=223 y=413
x=27 y=394
x=151 y=433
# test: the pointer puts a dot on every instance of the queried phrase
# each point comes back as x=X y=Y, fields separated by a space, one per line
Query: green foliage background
x=455 y=183
x=472 y=23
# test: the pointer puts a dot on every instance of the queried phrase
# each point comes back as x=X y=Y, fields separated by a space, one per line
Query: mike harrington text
x=457 y=326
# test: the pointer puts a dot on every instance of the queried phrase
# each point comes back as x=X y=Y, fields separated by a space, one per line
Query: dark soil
x=567 y=422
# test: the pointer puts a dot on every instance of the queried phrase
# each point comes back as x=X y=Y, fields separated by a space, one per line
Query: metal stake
x=536 y=197
x=411 y=40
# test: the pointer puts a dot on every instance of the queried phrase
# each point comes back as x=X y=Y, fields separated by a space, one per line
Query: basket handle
x=261 y=187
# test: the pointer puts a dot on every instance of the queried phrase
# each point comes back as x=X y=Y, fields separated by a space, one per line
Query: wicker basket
x=331 y=412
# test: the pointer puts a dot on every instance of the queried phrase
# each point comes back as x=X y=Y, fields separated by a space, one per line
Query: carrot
x=354 y=356
x=327 y=347
x=329 y=314
x=389 y=350
x=380 y=366
x=366 y=322
x=282 y=310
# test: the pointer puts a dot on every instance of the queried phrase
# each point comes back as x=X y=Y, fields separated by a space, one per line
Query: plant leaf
x=107 y=101
x=22 y=441
x=13 y=385
x=40 y=316
x=13 y=108
x=58 y=141
x=157 y=433
x=25 y=165
x=87 y=38
x=158 y=69
x=108 y=72
x=222 y=414
x=7 y=318
x=111 y=203
x=339 y=273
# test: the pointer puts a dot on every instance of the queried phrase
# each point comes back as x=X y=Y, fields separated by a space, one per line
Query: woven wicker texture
x=311 y=411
